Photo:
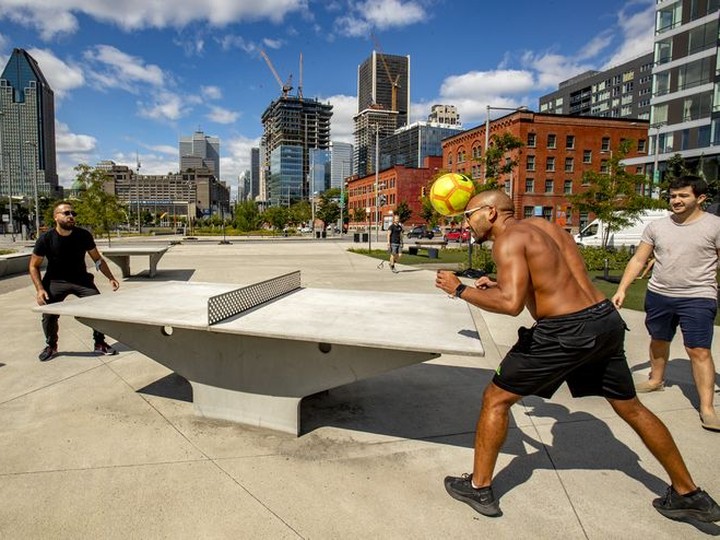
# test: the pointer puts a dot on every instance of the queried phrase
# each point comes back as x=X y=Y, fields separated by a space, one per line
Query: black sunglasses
x=72 y=213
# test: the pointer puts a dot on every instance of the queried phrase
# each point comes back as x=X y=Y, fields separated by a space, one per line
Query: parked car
x=457 y=235
x=420 y=232
x=305 y=229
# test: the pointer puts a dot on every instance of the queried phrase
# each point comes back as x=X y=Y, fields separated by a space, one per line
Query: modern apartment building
x=200 y=151
x=341 y=163
x=622 y=91
x=410 y=145
x=27 y=130
x=291 y=127
x=254 y=187
x=557 y=150
x=371 y=126
x=685 y=115
x=444 y=114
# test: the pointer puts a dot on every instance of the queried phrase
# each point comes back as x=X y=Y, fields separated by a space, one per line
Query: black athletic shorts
x=584 y=349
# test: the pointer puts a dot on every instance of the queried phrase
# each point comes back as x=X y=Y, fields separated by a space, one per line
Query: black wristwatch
x=459 y=290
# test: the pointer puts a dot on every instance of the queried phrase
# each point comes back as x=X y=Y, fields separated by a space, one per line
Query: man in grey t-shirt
x=682 y=290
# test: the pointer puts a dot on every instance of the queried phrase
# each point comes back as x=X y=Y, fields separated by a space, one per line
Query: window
x=569 y=164
x=549 y=186
x=477 y=152
x=604 y=166
x=552 y=141
x=527 y=212
x=530 y=163
x=547 y=213
x=531 y=140
x=529 y=185
x=587 y=156
x=663 y=51
x=567 y=188
x=550 y=164
x=570 y=142
x=642 y=145
x=696 y=107
x=605 y=145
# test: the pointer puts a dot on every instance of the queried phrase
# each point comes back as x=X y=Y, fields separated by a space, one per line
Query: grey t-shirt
x=686 y=256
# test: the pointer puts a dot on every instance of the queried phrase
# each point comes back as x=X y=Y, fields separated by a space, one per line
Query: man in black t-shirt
x=65 y=247
x=394 y=239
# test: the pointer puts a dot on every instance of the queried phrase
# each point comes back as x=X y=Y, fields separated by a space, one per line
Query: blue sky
x=133 y=76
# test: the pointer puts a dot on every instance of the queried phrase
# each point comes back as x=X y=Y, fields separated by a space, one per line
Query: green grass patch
x=7 y=251
x=448 y=256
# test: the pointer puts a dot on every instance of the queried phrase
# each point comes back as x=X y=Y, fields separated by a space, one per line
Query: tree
x=615 y=196
x=96 y=208
x=299 y=212
x=277 y=216
x=497 y=162
x=403 y=211
x=328 y=209
x=247 y=217
x=359 y=215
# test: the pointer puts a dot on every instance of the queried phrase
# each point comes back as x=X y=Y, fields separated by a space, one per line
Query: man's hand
x=115 y=284
x=41 y=297
x=485 y=282
x=618 y=299
x=447 y=281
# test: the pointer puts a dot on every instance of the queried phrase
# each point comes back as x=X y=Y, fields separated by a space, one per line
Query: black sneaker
x=696 y=505
x=104 y=349
x=481 y=499
x=47 y=353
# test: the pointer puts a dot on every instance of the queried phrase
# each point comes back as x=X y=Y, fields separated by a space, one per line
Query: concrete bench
x=432 y=248
x=14 y=263
x=121 y=257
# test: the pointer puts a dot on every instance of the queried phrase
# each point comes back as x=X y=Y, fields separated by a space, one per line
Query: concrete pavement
x=110 y=447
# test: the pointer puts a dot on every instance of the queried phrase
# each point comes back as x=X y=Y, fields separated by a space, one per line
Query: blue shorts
x=696 y=317
x=395 y=249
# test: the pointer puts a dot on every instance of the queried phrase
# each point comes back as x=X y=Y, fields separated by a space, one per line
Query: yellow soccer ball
x=450 y=193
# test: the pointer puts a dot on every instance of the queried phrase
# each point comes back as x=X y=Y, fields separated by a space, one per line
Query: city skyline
x=130 y=81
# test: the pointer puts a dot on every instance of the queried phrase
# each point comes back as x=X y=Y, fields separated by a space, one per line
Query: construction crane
x=394 y=84
x=284 y=87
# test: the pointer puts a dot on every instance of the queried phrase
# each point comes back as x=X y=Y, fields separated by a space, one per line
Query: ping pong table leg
x=123 y=261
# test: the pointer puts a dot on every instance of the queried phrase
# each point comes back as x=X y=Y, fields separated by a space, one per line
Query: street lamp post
x=655 y=182
x=35 y=186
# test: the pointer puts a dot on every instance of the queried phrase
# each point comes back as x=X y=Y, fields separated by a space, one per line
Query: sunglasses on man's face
x=468 y=213
x=72 y=213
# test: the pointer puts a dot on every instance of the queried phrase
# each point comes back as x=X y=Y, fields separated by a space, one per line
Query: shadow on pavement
x=163 y=275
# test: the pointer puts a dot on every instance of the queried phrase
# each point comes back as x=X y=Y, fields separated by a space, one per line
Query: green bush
x=595 y=257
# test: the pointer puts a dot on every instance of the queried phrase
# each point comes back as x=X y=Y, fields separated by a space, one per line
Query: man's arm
x=633 y=268
x=104 y=268
x=41 y=295
x=508 y=293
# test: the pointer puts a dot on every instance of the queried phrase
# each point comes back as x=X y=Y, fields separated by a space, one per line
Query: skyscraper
x=341 y=162
x=27 y=130
x=254 y=173
x=291 y=127
x=382 y=77
x=200 y=151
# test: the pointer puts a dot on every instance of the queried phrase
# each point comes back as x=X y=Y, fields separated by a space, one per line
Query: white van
x=593 y=233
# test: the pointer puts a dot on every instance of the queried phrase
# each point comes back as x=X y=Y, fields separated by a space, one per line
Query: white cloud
x=232 y=41
x=150 y=162
x=112 y=68
x=550 y=69
x=61 y=76
x=344 y=108
x=222 y=116
x=211 y=92
x=164 y=149
x=236 y=158
x=166 y=106
x=638 y=30
x=273 y=43
x=72 y=143
x=59 y=16
x=380 y=14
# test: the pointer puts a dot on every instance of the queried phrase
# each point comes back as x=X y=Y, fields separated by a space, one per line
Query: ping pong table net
x=226 y=305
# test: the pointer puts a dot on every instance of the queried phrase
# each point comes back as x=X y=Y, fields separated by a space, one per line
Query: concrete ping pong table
x=252 y=353
x=121 y=257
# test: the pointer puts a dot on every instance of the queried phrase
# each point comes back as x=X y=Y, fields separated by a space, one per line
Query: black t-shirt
x=65 y=255
x=396 y=231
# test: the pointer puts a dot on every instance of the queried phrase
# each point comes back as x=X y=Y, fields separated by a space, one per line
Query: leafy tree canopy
x=97 y=208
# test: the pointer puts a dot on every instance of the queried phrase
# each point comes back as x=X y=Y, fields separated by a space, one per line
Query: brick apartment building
x=557 y=151
x=396 y=184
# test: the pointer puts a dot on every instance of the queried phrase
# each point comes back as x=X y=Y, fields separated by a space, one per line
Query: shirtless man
x=578 y=339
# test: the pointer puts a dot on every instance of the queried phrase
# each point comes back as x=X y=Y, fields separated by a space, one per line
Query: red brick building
x=397 y=184
x=556 y=151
